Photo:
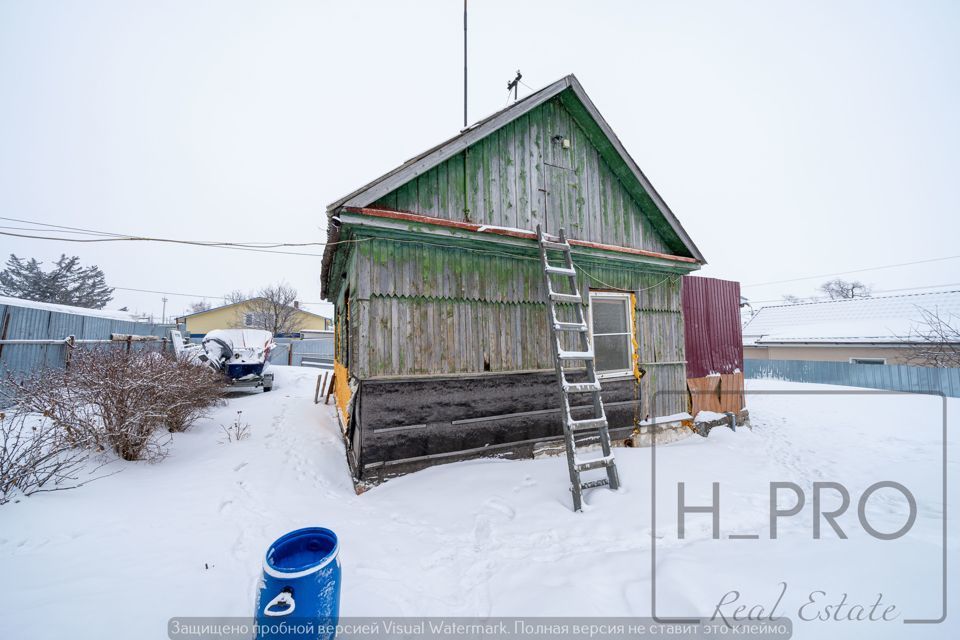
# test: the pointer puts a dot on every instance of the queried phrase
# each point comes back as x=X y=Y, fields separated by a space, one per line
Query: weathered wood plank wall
x=421 y=310
x=521 y=176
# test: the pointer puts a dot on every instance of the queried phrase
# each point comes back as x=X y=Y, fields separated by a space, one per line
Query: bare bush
x=193 y=391
x=35 y=456
x=124 y=401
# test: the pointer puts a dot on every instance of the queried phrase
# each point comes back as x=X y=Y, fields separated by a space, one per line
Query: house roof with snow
x=885 y=319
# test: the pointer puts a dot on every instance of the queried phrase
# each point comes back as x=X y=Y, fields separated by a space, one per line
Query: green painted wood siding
x=520 y=176
x=382 y=266
x=427 y=310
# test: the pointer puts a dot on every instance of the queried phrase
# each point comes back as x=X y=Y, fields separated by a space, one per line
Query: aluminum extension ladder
x=591 y=386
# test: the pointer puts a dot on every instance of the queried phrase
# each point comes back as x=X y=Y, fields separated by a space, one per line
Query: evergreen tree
x=66 y=283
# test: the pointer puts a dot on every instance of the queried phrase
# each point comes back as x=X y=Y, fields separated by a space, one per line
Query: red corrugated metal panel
x=711 y=316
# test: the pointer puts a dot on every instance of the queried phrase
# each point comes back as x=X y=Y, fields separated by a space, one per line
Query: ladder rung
x=569 y=326
x=566 y=297
x=575 y=355
x=560 y=270
x=590 y=423
x=596 y=463
x=554 y=246
x=602 y=482
x=581 y=387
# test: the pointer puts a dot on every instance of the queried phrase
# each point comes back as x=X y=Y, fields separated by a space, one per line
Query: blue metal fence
x=30 y=323
x=894 y=377
x=316 y=352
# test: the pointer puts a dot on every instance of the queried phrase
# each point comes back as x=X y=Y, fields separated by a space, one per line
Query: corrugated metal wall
x=711 y=310
x=892 y=377
x=23 y=323
x=315 y=350
x=428 y=310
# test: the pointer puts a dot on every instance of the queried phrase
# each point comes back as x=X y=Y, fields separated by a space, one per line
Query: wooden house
x=442 y=341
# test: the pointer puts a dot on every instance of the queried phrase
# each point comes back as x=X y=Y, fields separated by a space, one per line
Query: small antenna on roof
x=513 y=84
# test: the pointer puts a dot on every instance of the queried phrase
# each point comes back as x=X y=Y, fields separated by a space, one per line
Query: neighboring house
x=443 y=348
x=242 y=314
x=876 y=330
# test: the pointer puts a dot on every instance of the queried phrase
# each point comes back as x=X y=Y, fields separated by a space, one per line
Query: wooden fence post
x=69 y=342
x=320 y=386
x=289 y=354
x=333 y=381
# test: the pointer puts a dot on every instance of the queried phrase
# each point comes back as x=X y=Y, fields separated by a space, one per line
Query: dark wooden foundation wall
x=404 y=424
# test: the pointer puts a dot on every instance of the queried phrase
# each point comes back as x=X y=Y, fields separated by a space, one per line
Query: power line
x=164 y=240
x=841 y=273
x=872 y=293
x=170 y=293
x=82 y=230
x=263 y=247
x=59 y=226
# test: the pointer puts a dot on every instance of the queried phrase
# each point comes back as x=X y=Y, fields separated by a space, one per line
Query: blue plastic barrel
x=300 y=589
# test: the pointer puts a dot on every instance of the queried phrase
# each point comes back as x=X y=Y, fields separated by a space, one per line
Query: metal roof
x=372 y=191
x=63 y=308
x=884 y=319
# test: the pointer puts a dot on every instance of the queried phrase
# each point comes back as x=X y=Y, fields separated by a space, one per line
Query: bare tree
x=273 y=308
x=198 y=306
x=936 y=343
x=236 y=296
x=838 y=289
x=792 y=299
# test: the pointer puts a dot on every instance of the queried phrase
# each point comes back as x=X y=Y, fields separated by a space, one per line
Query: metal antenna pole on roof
x=513 y=84
x=464 y=64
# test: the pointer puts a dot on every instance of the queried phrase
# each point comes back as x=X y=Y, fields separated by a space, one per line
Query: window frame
x=876 y=361
x=630 y=333
x=248 y=319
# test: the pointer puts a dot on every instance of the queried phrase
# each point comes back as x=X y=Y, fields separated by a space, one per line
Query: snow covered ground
x=118 y=557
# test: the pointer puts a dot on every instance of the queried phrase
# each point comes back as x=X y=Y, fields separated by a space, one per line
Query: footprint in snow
x=528 y=481
x=499 y=506
x=481 y=531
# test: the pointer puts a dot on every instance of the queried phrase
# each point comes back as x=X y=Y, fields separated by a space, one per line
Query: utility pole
x=163 y=317
x=464 y=64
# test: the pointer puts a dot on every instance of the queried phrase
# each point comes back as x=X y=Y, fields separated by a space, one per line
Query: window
x=248 y=319
x=868 y=361
x=612 y=333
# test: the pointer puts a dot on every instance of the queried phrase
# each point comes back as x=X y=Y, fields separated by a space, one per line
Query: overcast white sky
x=791 y=139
